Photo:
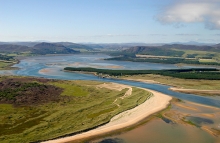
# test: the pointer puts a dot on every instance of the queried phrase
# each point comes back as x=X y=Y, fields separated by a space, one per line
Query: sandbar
x=125 y=119
x=214 y=92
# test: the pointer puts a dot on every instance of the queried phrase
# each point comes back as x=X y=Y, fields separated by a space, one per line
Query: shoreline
x=172 y=88
x=196 y=91
x=156 y=103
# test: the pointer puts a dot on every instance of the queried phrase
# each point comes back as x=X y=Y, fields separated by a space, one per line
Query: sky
x=110 y=21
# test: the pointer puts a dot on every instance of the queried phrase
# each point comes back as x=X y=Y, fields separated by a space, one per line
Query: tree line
x=193 y=73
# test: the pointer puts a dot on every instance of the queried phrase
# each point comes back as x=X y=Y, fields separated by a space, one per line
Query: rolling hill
x=148 y=50
x=52 y=48
x=40 y=48
x=8 y=48
x=169 y=50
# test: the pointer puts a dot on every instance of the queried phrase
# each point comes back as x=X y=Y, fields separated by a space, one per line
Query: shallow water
x=157 y=131
x=160 y=131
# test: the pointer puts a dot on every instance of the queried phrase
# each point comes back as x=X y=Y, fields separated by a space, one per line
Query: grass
x=180 y=83
x=83 y=107
x=71 y=89
x=4 y=64
x=201 y=54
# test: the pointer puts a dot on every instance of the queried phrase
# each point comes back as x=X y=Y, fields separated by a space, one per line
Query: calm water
x=160 y=131
x=52 y=68
x=155 y=131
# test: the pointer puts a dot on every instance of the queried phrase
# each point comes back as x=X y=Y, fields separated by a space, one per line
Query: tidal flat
x=183 y=122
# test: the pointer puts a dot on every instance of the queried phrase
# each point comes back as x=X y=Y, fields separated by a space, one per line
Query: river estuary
x=154 y=131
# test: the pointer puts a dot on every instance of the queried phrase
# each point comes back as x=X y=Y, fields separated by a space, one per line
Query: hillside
x=171 y=47
x=40 y=48
x=52 y=48
x=77 y=47
x=148 y=50
x=214 y=48
x=8 y=48
x=37 y=109
x=171 y=54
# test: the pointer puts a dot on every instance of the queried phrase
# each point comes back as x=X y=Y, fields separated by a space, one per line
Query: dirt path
x=118 y=87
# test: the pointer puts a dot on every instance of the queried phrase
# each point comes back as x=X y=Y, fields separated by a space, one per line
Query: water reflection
x=175 y=129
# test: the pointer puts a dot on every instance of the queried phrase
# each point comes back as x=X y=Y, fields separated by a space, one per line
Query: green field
x=83 y=106
x=199 y=54
x=5 y=64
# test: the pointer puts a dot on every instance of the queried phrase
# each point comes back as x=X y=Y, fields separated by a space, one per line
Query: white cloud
x=191 y=11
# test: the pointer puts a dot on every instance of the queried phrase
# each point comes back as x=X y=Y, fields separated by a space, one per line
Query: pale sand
x=113 y=86
x=142 y=80
x=156 y=103
x=80 y=64
x=194 y=90
x=44 y=71
x=186 y=107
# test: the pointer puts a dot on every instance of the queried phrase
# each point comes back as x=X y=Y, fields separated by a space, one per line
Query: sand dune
x=156 y=103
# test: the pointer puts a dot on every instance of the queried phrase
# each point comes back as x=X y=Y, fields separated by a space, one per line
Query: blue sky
x=110 y=21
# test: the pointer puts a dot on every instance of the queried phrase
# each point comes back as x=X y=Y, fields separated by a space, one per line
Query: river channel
x=156 y=130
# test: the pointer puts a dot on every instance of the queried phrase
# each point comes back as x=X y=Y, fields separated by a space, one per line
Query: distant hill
x=214 y=48
x=217 y=46
x=28 y=44
x=170 y=50
x=159 y=51
x=75 y=46
x=193 y=43
x=40 y=48
x=9 y=48
x=52 y=48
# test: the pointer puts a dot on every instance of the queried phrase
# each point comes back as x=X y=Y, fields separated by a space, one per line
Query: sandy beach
x=44 y=71
x=156 y=103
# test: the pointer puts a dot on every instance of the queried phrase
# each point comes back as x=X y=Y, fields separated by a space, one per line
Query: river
x=51 y=67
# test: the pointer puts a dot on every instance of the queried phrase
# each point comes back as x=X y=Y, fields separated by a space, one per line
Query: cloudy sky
x=110 y=21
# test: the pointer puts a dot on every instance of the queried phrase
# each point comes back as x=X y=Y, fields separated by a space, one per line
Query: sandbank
x=142 y=80
x=214 y=92
x=125 y=119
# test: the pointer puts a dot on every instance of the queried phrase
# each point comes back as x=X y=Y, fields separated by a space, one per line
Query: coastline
x=156 y=103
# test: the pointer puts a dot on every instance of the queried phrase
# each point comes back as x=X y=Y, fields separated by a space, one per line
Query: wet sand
x=156 y=103
x=194 y=91
x=175 y=127
x=142 y=80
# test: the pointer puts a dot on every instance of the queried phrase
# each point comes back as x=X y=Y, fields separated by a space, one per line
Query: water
x=155 y=131
x=52 y=66
x=160 y=131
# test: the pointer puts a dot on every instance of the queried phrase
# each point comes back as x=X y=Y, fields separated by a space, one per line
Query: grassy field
x=5 y=64
x=199 y=54
x=84 y=106
x=180 y=83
